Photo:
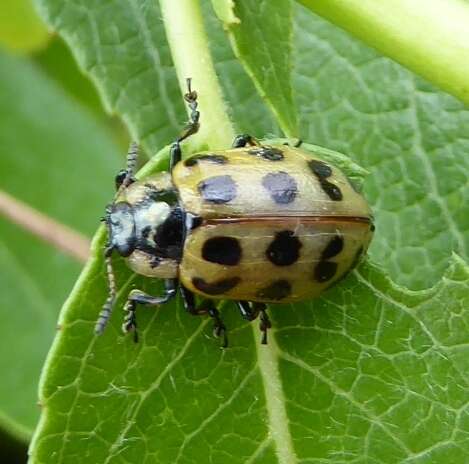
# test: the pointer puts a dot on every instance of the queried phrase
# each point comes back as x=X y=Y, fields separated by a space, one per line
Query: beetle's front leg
x=138 y=297
x=174 y=155
x=242 y=140
x=207 y=307
x=191 y=127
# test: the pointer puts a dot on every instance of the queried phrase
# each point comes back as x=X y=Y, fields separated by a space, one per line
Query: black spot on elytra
x=267 y=153
x=325 y=270
x=277 y=290
x=333 y=248
x=212 y=158
x=215 y=288
x=217 y=189
x=222 y=250
x=285 y=248
x=332 y=190
x=372 y=227
x=356 y=259
x=281 y=186
x=320 y=169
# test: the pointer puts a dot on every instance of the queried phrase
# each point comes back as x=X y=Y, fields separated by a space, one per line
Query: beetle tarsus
x=219 y=329
x=206 y=307
x=264 y=323
x=130 y=320
x=190 y=128
x=250 y=312
x=138 y=297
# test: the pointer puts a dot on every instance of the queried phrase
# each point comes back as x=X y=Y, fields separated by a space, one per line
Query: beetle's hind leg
x=251 y=311
x=138 y=297
x=206 y=307
x=190 y=128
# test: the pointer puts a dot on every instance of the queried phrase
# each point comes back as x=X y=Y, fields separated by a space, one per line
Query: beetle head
x=120 y=223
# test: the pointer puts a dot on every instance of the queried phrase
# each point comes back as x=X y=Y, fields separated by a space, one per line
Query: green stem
x=430 y=37
x=191 y=56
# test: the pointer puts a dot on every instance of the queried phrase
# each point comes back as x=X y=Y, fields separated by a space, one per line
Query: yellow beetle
x=255 y=224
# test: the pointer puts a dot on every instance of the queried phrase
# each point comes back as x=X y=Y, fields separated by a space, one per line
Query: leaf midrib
x=278 y=422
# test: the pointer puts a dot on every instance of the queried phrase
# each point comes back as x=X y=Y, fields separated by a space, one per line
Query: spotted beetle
x=255 y=224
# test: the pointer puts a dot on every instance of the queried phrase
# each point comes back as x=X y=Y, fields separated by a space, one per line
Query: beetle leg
x=189 y=129
x=264 y=323
x=250 y=311
x=193 y=125
x=242 y=140
x=246 y=310
x=207 y=307
x=138 y=297
x=174 y=155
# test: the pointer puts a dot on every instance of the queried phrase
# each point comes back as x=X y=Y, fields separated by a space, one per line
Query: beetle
x=256 y=224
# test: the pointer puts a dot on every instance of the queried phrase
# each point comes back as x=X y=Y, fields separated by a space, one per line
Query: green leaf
x=121 y=45
x=246 y=106
x=411 y=137
x=59 y=65
x=381 y=369
x=261 y=39
x=400 y=29
x=48 y=145
x=371 y=372
x=21 y=30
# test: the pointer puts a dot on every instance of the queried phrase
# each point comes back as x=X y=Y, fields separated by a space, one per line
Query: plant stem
x=58 y=235
x=191 y=55
x=430 y=37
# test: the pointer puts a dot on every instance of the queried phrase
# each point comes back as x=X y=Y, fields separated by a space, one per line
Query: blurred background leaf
x=59 y=158
x=21 y=30
x=64 y=141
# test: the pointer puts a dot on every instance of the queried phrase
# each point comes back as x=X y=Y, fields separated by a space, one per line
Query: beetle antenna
x=108 y=306
x=123 y=182
x=126 y=176
x=132 y=157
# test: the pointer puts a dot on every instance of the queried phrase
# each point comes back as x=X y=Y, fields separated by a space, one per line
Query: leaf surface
x=371 y=372
x=410 y=136
x=261 y=35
